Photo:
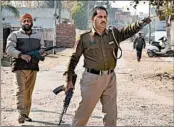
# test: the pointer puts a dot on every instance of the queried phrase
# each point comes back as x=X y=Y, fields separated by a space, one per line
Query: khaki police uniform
x=99 y=79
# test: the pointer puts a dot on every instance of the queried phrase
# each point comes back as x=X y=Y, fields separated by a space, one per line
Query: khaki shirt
x=99 y=50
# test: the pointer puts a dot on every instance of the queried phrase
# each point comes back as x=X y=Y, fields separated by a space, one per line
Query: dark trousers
x=139 y=52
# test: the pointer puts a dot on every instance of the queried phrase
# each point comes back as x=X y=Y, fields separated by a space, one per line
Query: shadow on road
x=47 y=123
x=158 y=60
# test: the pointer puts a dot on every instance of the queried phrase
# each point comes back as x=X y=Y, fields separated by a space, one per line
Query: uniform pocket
x=110 y=45
x=88 y=79
x=92 y=50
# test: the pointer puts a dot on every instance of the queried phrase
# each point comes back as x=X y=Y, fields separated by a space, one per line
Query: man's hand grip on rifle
x=69 y=86
x=38 y=53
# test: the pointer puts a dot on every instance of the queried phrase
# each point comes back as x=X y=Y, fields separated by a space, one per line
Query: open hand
x=27 y=58
x=42 y=51
x=147 y=20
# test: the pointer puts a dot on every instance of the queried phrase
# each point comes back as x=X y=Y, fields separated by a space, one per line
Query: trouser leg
x=109 y=102
x=139 y=52
x=91 y=90
x=25 y=81
x=29 y=87
x=20 y=80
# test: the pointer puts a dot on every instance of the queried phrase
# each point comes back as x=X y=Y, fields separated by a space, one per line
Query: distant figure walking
x=139 y=44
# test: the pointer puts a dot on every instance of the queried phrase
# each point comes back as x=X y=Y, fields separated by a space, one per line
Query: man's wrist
x=19 y=55
x=142 y=23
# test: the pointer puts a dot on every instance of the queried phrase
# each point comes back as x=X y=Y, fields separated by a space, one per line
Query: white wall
x=44 y=16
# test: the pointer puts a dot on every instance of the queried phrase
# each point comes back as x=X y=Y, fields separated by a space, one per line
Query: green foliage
x=79 y=16
x=82 y=11
x=167 y=11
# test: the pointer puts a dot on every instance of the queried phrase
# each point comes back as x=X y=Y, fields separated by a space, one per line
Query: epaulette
x=83 y=33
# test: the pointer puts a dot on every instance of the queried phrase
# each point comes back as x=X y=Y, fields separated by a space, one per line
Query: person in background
x=139 y=44
x=24 y=66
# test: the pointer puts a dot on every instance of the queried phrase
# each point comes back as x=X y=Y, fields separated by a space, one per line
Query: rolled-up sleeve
x=11 y=46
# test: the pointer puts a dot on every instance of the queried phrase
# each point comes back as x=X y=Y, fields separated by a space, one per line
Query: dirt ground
x=145 y=92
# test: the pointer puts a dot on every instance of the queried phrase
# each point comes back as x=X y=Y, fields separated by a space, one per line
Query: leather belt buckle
x=99 y=72
x=104 y=72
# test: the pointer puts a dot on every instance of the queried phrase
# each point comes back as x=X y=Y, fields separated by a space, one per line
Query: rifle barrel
x=50 y=48
x=61 y=116
x=153 y=16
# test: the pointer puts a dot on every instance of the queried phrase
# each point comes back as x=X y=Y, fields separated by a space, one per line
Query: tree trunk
x=1 y=40
x=172 y=32
x=1 y=35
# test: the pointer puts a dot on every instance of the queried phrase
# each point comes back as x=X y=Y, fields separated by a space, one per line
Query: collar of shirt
x=93 y=31
x=22 y=31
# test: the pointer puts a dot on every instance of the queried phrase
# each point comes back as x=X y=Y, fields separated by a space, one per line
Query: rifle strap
x=116 y=42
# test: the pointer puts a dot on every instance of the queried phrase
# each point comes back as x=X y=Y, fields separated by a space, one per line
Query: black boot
x=138 y=59
x=28 y=119
x=21 y=118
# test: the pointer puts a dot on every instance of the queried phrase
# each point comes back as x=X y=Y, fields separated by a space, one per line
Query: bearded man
x=24 y=66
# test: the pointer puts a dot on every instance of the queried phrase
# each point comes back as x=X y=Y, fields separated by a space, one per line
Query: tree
x=8 y=6
x=164 y=8
x=47 y=4
x=84 y=9
x=69 y=4
x=79 y=16
x=165 y=11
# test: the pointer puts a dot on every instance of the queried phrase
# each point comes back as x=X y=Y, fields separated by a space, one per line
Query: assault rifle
x=68 y=96
x=36 y=53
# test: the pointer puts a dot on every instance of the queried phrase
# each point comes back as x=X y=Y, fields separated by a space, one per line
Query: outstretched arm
x=128 y=31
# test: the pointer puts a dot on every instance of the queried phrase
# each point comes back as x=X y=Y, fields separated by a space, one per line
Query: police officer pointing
x=99 y=79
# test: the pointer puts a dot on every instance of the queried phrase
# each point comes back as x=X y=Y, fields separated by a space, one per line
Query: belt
x=93 y=71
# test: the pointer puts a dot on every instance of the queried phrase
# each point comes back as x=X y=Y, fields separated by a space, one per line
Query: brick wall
x=65 y=35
